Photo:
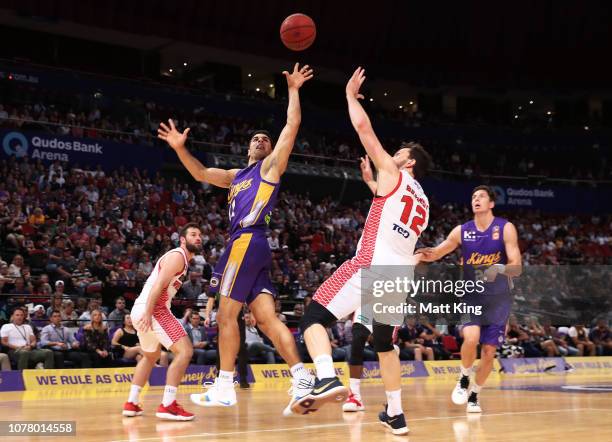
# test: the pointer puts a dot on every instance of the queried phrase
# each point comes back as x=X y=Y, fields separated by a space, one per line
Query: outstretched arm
x=451 y=242
x=176 y=140
x=367 y=174
x=387 y=170
x=276 y=163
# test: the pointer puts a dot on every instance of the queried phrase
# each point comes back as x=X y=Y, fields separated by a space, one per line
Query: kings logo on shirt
x=478 y=259
x=235 y=189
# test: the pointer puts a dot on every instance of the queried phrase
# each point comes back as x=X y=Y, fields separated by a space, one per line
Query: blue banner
x=11 y=381
x=86 y=152
x=547 y=198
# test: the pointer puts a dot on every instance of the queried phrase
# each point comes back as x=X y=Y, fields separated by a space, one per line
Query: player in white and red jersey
x=157 y=325
x=398 y=215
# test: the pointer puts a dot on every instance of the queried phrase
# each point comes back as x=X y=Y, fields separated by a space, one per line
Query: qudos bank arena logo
x=15 y=143
x=500 y=195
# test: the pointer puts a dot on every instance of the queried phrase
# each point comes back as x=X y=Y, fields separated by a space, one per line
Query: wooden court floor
x=530 y=408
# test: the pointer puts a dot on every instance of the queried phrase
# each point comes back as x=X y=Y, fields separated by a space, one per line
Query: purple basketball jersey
x=251 y=200
x=483 y=249
x=480 y=250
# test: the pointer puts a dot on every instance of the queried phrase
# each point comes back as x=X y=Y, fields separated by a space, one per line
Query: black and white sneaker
x=473 y=406
x=460 y=392
x=324 y=391
x=397 y=424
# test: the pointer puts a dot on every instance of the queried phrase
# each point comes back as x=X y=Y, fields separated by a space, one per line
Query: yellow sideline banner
x=275 y=372
x=452 y=369
x=111 y=378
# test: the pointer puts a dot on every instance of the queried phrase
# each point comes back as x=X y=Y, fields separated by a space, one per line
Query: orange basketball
x=298 y=32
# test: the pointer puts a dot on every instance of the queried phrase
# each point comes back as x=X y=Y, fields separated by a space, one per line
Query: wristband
x=501 y=268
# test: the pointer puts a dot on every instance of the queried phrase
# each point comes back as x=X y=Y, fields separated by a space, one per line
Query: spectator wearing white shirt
x=580 y=338
x=273 y=241
x=21 y=341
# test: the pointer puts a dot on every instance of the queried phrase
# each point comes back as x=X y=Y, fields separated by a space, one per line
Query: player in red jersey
x=157 y=325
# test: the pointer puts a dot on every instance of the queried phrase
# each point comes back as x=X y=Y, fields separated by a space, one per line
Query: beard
x=193 y=248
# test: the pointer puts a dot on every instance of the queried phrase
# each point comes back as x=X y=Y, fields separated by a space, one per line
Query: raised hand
x=299 y=76
x=355 y=82
x=366 y=169
x=171 y=135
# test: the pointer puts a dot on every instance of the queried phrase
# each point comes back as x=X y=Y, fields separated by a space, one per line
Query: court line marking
x=348 y=424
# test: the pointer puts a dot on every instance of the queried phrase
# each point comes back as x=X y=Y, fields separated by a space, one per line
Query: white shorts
x=341 y=293
x=165 y=328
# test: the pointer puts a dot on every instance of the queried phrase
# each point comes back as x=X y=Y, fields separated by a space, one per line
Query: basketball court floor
x=521 y=408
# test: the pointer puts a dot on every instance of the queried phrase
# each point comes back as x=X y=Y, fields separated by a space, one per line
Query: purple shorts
x=243 y=271
x=492 y=334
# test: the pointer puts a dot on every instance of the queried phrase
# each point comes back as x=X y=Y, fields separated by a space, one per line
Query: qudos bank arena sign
x=51 y=147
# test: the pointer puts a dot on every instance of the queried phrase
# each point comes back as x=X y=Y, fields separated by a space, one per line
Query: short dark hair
x=421 y=156
x=186 y=227
x=487 y=189
x=119 y=298
x=260 y=131
x=56 y=311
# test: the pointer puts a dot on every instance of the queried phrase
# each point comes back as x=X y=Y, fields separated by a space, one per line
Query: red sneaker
x=353 y=403
x=174 y=412
x=130 y=409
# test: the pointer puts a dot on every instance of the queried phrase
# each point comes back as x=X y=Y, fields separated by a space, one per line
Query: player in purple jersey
x=490 y=253
x=242 y=273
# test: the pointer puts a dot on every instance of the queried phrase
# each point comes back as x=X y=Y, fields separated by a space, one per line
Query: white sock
x=394 y=402
x=298 y=371
x=226 y=377
x=476 y=388
x=466 y=371
x=325 y=366
x=355 y=386
x=169 y=395
x=134 y=393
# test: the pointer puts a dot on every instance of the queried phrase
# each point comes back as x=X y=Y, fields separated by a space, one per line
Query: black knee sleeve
x=360 y=337
x=316 y=314
x=383 y=337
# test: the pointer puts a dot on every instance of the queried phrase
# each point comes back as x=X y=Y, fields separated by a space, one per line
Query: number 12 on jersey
x=419 y=217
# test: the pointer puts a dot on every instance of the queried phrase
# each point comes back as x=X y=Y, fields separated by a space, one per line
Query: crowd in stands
x=136 y=121
x=75 y=243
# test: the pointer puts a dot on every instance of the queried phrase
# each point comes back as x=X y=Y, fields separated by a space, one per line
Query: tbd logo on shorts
x=405 y=233
x=214 y=281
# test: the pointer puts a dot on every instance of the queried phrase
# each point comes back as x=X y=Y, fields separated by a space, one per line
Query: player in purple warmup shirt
x=242 y=273
x=490 y=253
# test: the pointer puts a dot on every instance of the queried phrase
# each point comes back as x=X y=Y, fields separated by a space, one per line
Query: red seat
x=450 y=344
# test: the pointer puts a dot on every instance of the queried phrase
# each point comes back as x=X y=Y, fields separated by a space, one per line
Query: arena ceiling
x=534 y=44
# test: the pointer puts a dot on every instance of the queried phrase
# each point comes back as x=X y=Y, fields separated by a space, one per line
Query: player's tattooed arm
x=387 y=170
x=275 y=164
x=367 y=174
x=176 y=140
x=430 y=254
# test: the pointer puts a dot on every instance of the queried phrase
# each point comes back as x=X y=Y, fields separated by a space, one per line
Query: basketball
x=298 y=32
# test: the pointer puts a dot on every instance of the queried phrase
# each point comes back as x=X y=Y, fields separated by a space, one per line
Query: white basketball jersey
x=169 y=292
x=394 y=224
